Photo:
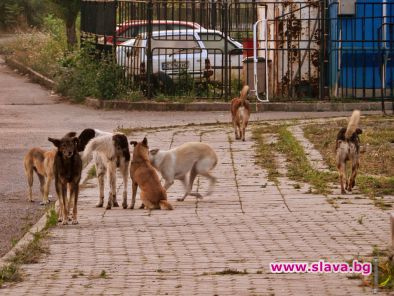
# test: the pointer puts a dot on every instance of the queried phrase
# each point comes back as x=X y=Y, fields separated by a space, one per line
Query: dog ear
x=70 y=135
x=145 y=142
x=134 y=143
x=154 y=151
x=359 y=131
x=55 y=142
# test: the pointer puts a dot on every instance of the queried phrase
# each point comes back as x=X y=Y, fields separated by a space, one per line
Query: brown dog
x=240 y=112
x=142 y=174
x=40 y=161
x=348 y=149
x=67 y=172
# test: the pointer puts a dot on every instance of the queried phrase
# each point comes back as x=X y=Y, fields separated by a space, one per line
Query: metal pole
x=226 y=59
x=255 y=59
x=375 y=275
x=149 y=61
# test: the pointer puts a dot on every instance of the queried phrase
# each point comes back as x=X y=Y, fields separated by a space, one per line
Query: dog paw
x=108 y=207
x=116 y=205
x=180 y=199
x=130 y=207
x=44 y=203
x=343 y=192
x=124 y=205
x=65 y=222
x=100 y=204
x=75 y=222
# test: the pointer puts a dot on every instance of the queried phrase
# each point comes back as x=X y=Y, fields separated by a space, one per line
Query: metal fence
x=204 y=49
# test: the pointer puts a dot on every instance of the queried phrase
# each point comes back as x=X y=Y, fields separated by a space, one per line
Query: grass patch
x=92 y=172
x=299 y=168
x=10 y=273
x=265 y=156
x=51 y=218
x=376 y=171
x=228 y=271
x=32 y=252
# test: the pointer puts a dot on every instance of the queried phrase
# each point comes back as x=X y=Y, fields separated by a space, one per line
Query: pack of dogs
x=110 y=153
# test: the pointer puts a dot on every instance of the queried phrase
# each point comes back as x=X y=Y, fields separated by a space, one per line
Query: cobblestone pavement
x=29 y=114
x=246 y=224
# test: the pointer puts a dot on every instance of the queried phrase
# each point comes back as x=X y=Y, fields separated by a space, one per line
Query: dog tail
x=353 y=124
x=244 y=94
x=164 y=205
x=91 y=146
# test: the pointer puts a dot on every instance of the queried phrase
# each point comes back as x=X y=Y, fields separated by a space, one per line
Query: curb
x=39 y=226
x=263 y=107
x=34 y=75
x=205 y=106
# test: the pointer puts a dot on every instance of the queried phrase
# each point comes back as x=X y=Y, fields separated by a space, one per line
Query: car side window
x=215 y=41
x=164 y=45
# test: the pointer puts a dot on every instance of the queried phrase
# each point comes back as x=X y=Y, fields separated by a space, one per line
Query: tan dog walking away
x=348 y=149
x=240 y=113
x=40 y=161
x=143 y=175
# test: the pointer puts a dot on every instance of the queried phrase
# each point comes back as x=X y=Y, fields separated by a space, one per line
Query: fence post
x=149 y=61
x=114 y=39
x=322 y=49
x=226 y=63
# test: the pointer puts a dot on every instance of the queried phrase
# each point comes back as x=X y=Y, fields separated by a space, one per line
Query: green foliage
x=87 y=73
x=10 y=273
x=16 y=14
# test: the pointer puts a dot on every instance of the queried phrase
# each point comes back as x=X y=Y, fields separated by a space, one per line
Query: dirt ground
x=29 y=114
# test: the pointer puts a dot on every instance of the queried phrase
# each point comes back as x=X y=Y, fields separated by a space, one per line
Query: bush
x=87 y=73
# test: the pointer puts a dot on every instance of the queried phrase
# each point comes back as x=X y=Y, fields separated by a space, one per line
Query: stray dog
x=142 y=174
x=40 y=161
x=194 y=157
x=67 y=172
x=110 y=151
x=348 y=149
x=240 y=113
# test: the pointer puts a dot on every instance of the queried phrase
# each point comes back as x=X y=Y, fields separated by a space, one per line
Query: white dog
x=110 y=151
x=194 y=157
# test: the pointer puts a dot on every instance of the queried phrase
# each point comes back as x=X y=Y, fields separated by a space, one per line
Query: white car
x=198 y=53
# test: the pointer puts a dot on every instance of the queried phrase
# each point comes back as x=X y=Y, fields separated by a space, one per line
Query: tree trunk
x=71 y=34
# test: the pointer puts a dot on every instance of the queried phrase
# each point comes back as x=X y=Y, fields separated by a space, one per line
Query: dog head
x=66 y=146
x=141 y=150
x=153 y=155
x=121 y=146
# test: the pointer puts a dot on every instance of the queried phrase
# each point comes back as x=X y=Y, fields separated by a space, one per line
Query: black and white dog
x=109 y=151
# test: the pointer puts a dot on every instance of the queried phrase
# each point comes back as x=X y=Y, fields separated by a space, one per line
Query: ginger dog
x=240 y=113
x=143 y=175
x=348 y=149
x=40 y=161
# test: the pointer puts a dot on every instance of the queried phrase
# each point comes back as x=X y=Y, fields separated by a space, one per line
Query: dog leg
x=352 y=180
x=47 y=185
x=29 y=175
x=168 y=183
x=65 y=204
x=125 y=175
x=112 y=182
x=100 y=178
x=235 y=129
x=212 y=182
x=342 y=175
x=193 y=175
x=134 y=194
x=41 y=178
x=75 y=190
x=243 y=132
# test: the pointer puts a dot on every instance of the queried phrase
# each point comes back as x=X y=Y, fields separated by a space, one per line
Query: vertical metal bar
x=375 y=275
x=149 y=50
x=114 y=30
x=226 y=65
x=322 y=25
